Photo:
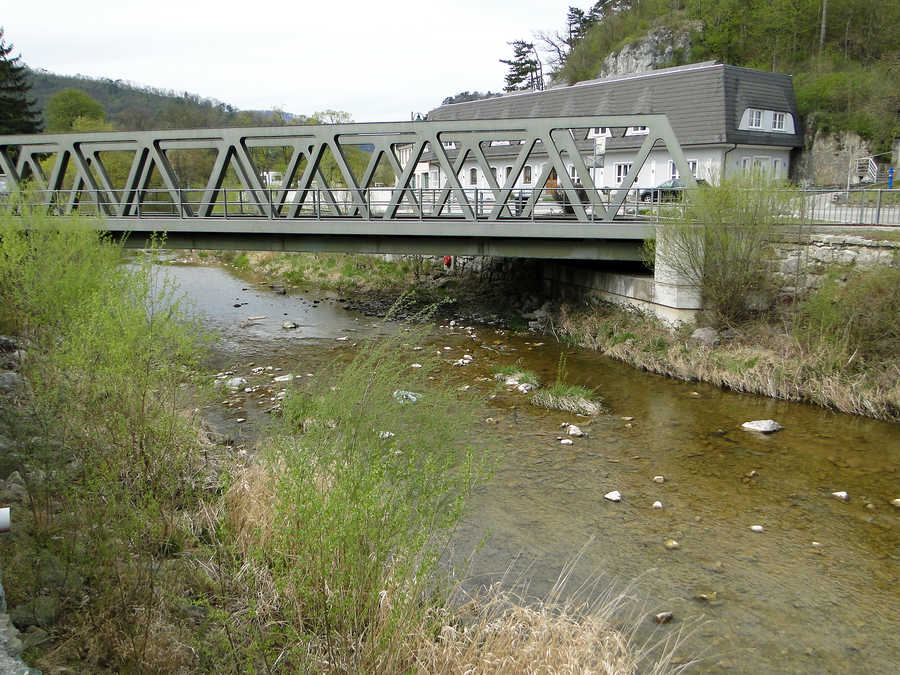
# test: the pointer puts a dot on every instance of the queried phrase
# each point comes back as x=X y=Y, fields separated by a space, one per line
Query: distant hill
x=132 y=107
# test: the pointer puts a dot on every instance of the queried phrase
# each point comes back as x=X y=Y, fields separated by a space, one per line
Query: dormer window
x=778 y=121
x=755 y=121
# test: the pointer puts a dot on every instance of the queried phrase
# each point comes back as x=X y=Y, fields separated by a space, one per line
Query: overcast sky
x=379 y=61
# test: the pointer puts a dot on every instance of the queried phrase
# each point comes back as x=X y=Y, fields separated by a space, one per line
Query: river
x=815 y=591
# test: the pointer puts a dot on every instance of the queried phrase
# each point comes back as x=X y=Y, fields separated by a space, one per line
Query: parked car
x=670 y=191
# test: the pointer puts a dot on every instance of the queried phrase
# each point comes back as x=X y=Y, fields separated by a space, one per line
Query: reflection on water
x=781 y=603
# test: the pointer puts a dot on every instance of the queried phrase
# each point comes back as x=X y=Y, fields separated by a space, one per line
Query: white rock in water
x=525 y=387
x=613 y=496
x=468 y=357
x=657 y=505
x=283 y=378
x=896 y=502
x=763 y=426
x=840 y=494
x=659 y=479
x=343 y=339
x=402 y=396
x=574 y=431
x=236 y=383
x=241 y=420
x=461 y=362
x=566 y=441
x=288 y=325
x=757 y=528
x=511 y=381
x=416 y=365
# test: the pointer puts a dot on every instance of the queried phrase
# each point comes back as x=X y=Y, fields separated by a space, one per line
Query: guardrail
x=836 y=207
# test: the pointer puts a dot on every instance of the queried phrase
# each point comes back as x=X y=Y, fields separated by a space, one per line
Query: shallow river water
x=773 y=601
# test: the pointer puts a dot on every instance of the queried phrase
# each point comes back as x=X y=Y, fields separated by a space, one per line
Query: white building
x=727 y=119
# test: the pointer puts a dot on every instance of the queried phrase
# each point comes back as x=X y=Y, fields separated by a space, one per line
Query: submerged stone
x=614 y=496
x=762 y=426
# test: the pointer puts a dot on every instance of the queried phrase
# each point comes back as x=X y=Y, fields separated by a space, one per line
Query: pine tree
x=525 y=70
x=17 y=113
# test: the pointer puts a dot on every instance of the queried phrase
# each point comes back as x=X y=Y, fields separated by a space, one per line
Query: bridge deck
x=559 y=239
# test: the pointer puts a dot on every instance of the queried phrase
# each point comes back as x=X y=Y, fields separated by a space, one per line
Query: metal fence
x=825 y=207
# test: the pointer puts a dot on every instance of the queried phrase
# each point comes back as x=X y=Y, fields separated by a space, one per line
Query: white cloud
x=378 y=61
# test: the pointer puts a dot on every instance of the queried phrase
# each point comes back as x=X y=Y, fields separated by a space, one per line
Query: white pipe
x=4 y=520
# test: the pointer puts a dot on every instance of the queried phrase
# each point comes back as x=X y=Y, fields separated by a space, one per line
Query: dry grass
x=761 y=358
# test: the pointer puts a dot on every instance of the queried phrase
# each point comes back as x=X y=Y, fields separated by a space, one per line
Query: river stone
x=657 y=504
x=659 y=479
x=566 y=441
x=671 y=544
x=614 y=496
x=572 y=430
x=525 y=387
x=289 y=325
x=840 y=494
x=9 y=382
x=757 y=528
x=763 y=426
x=41 y=611
x=706 y=336
x=896 y=502
x=664 y=617
x=236 y=383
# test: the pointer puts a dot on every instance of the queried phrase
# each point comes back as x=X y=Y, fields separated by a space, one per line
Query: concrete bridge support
x=665 y=293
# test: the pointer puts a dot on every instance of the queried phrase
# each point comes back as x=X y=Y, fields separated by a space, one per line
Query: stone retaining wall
x=803 y=262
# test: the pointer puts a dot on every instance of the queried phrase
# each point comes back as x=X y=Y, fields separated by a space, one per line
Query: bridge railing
x=649 y=205
x=476 y=204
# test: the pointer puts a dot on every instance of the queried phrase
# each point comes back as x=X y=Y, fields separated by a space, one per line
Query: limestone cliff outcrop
x=660 y=47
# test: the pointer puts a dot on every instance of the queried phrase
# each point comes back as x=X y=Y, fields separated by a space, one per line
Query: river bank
x=806 y=351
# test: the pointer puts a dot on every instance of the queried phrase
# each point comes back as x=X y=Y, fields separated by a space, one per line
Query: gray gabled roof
x=704 y=103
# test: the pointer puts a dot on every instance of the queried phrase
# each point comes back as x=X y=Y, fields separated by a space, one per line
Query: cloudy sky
x=379 y=61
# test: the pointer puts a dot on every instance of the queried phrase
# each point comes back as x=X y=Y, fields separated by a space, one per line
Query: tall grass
x=365 y=488
x=108 y=458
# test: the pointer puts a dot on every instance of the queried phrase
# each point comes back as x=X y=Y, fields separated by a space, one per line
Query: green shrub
x=366 y=488
x=720 y=244
x=852 y=317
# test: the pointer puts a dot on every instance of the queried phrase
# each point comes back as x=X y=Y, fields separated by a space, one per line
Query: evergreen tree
x=525 y=70
x=17 y=113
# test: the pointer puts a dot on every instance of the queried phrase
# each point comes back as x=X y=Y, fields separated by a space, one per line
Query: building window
x=412 y=181
x=674 y=174
x=776 y=168
x=424 y=181
x=526 y=177
x=755 y=119
x=573 y=173
x=746 y=163
x=778 y=122
x=473 y=176
x=508 y=171
x=494 y=172
x=622 y=171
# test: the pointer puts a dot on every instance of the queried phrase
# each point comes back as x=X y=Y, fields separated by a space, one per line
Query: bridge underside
x=562 y=240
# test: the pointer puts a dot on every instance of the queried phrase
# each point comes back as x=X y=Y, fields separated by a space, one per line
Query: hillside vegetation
x=846 y=79
x=131 y=107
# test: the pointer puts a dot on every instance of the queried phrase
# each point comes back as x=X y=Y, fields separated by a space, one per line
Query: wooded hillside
x=846 y=68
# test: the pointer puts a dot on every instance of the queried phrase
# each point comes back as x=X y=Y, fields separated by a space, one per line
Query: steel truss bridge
x=136 y=181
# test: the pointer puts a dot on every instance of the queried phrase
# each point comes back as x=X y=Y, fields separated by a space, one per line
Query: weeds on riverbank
x=571 y=398
x=108 y=459
x=812 y=352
